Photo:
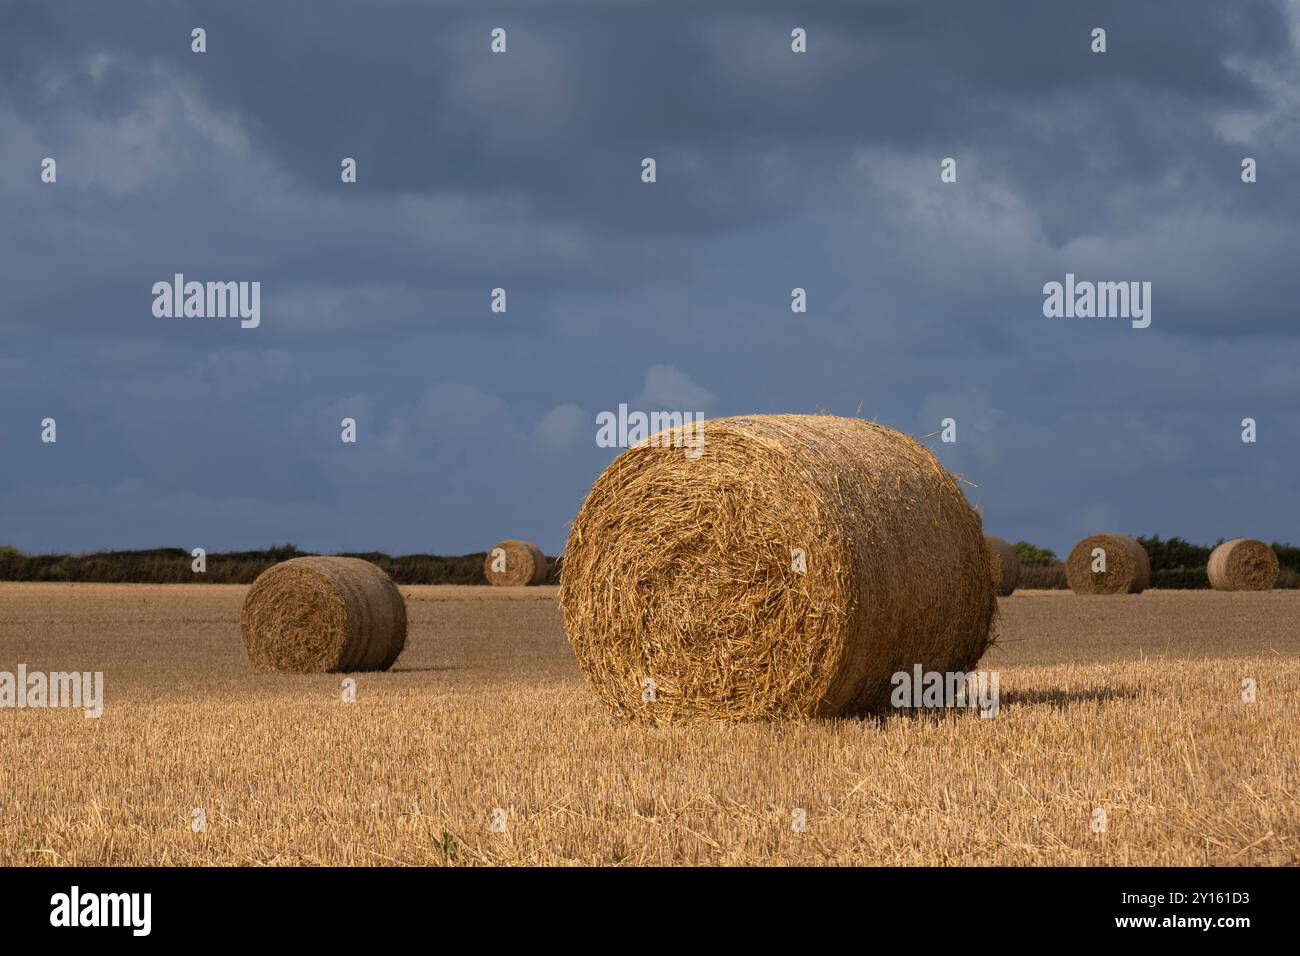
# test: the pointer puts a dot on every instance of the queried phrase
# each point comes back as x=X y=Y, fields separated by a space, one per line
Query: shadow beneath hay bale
x=1058 y=699
x=425 y=670
x=917 y=715
x=1064 y=698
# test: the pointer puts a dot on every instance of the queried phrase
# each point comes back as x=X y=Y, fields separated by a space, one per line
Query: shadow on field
x=1064 y=698
x=426 y=670
x=1056 y=699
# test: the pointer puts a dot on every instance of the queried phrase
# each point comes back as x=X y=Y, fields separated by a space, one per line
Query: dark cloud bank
x=775 y=170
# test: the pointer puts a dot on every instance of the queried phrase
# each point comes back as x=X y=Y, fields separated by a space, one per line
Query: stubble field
x=1131 y=705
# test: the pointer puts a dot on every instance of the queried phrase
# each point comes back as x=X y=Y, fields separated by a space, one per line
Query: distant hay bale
x=1005 y=565
x=1243 y=564
x=315 y=615
x=787 y=566
x=1128 y=570
x=515 y=564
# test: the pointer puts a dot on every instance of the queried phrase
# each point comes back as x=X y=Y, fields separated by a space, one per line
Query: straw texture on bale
x=1243 y=564
x=1128 y=570
x=317 y=614
x=1005 y=565
x=525 y=564
x=790 y=569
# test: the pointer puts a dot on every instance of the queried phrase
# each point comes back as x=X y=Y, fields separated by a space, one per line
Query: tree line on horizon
x=1175 y=563
x=174 y=566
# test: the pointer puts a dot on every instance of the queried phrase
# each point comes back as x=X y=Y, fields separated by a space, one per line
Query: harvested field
x=1132 y=704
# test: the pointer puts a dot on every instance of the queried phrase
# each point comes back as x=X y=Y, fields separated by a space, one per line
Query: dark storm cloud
x=522 y=171
x=584 y=92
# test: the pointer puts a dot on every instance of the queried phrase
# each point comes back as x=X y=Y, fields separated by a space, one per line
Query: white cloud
x=670 y=389
x=564 y=428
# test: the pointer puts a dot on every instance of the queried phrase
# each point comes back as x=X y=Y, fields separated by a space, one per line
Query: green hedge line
x=173 y=566
x=1175 y=563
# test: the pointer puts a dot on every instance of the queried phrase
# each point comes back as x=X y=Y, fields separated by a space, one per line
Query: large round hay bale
x=1005 y=565
x=313 y=615
x=1243 y=564
x=1128 y=570
x=790 y=568
x=515 y=564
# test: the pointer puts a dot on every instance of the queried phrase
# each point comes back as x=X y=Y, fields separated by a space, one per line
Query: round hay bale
x=789 y=570
x=515 y=564
x=316 y=615
x=1243 y=564
x=1128 y=570
x=1005 y=565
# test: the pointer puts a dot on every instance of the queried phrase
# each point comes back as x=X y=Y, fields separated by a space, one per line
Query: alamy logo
x=55 y=689
x=1102 y=300
x=930 y=689
x=208 y=300
x=74 y=908
x=663 y=429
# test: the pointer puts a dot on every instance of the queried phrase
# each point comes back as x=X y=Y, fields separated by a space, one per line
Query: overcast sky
x=522 y=170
